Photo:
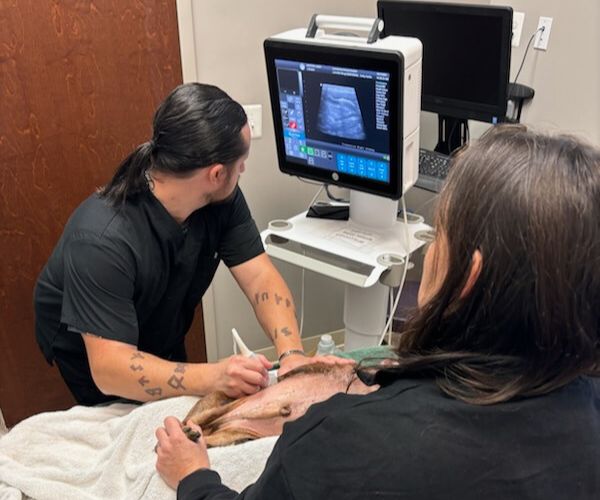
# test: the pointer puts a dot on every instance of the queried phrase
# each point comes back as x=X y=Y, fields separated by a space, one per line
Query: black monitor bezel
x=389 y=61
x=453 y=107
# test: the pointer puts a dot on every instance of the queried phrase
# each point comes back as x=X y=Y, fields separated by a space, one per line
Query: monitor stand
x=452 y=133
x=365 y=308
x=362 y=252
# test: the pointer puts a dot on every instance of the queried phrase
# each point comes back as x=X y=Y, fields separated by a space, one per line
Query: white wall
x=566 y=77
x=222 y=44
x=228 y=37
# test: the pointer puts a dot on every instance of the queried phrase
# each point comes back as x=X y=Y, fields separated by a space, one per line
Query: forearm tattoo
x=285 y=331
x=175 y=381
x=263 y=297
x=279 y=301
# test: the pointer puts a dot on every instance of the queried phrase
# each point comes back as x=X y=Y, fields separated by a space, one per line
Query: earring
x=149 y=180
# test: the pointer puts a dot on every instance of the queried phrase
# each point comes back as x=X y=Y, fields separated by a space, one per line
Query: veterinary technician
x=117 y=296
x=496 y=392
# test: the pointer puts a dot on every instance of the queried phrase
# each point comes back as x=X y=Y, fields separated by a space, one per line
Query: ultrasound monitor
x=466 y=59
x=338 y=115
x=346 y=112
x=335 y=118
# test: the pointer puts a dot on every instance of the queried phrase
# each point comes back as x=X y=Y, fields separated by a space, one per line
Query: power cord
x=331 y=197
x=301 y=327
x=525 y=54
x=302 y=281
x=391 y=313
x=308 y=182
x=316 y=196
x=402 y=280
x=326 y=186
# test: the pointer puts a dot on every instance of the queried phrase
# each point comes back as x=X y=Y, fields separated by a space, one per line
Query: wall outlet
x=542 y=37
x=254 y=114
x=517 y=27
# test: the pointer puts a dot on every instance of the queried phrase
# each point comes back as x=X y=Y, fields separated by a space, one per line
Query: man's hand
x=177 y=456
x=295 y=360
x=240 y=376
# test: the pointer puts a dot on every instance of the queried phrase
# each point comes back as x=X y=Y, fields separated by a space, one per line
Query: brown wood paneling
x=79 y=82
x=195 y=342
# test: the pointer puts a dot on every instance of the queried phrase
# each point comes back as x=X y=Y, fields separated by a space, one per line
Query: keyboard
x=433 y=169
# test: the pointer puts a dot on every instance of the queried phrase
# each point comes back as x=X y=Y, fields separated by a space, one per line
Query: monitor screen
x=336 y=115
x=335 y=118
x=466 y=54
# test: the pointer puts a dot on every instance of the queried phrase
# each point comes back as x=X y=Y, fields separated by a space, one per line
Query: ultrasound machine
x=346 y=112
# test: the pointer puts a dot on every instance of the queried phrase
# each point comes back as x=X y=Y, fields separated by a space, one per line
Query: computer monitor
x=466 y=58
x=338 y=114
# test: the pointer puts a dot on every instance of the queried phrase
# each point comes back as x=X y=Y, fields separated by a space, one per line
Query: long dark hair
x=197 y=125
x=530 y=203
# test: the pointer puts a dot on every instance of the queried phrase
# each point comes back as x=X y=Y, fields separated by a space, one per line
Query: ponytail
x=197 y=125
x=130 y=177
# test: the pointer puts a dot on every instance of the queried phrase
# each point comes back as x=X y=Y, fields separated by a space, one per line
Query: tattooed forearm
x=279 y=300
x=261 y=297
x=285 y=331
x=143 y=380
x=136 y=367
x=175 y=381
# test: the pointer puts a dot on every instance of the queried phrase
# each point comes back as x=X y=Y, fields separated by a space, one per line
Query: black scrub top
x=135 y=275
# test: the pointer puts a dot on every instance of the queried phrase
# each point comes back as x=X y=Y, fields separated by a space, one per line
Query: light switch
x=517 y=27
x=254 y=114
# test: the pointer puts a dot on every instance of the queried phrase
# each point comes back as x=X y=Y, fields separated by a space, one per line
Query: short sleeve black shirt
x=133 y=274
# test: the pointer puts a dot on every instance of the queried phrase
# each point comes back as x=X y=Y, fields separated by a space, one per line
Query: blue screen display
x=335 y=118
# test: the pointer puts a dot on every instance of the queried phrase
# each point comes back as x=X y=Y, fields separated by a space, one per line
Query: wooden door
x=79 y=82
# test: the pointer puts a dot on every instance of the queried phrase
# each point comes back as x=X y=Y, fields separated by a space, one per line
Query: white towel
x=107 y=452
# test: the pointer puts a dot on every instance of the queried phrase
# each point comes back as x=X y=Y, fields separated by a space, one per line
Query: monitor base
x=362 y=252
x=453 y=133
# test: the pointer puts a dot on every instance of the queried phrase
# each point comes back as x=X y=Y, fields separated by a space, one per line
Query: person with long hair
x=117 y=296
x=495 y=389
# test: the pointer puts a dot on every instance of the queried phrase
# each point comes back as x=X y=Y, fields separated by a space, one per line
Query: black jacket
x=408 y=440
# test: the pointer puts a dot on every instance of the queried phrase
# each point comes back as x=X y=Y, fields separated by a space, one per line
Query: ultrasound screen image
x=335 y=119
x=339 y=112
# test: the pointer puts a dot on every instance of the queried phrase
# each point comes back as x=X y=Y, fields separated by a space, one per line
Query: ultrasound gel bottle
x=326 y=345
